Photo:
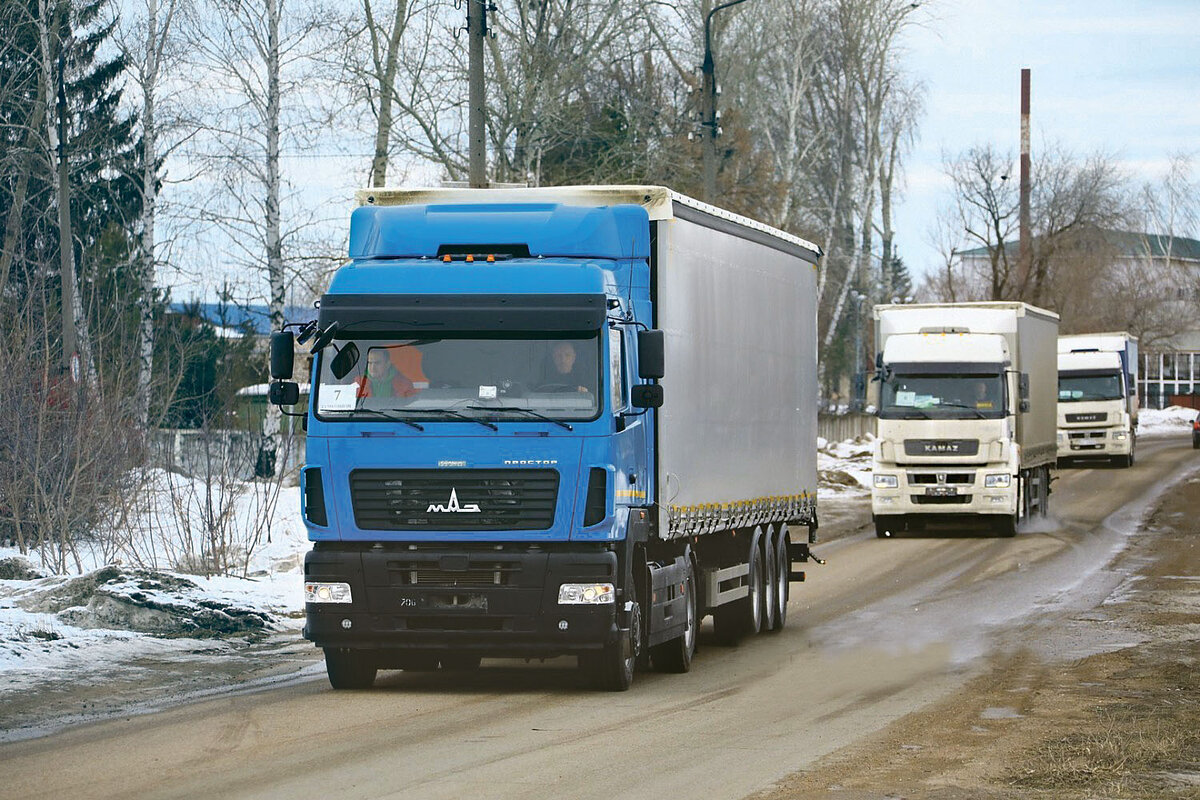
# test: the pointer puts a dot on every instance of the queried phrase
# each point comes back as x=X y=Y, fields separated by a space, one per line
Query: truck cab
x=1097 y=398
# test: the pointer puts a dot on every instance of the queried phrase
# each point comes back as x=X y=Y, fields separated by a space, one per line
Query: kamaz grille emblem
x=453 y=506
x=941 y=447
x=941 y=477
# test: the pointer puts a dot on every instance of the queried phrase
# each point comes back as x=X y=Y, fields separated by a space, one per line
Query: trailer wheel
x=349 y=669
x=611 y=669
x=783 y=577
x=743 y=617
x=770 y=581
x=676 y=654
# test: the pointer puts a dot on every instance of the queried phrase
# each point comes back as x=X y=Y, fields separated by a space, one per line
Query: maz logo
x=941 y=447
x=453 y=507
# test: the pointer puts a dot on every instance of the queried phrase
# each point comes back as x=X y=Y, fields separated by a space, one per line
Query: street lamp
x=708 y=122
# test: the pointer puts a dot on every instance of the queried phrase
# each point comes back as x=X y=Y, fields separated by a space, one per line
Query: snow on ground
x=1170 y=420
x=844 y=468
x=134 y=600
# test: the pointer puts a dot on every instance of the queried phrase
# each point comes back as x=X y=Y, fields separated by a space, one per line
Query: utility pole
x=709 y=121
x=476 y=32
x=1025 y=251
x=66 y=248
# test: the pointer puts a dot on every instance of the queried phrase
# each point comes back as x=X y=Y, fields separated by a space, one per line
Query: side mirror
x=647 y=395
x=1023 y=385
x=325 y=337
x=283 y=350
x=651 y=356
x=1024 y=406
x=283 y=393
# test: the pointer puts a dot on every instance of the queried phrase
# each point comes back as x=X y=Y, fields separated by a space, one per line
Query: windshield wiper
x=978 y=413
x=523 y=411
x=377 y=412
x=454 y=414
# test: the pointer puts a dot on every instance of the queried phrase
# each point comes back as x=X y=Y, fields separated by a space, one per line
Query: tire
x=1007 y=526
x=460 y=662
x=611 y=669
x=783 y=572
x=770 y=581
x=349 y=669
x=733 y=621
x=676 y=654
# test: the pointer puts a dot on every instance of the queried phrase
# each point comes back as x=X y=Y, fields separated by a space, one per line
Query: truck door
x=631 y=444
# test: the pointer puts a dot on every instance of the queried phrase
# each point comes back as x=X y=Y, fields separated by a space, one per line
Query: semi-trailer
x=966 y=428
x=554 y=422
x=1097 y=397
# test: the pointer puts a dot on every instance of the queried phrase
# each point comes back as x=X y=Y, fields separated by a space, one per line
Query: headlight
x=1001 y=481
x=576 y=594
x=1120 y=435
x=886 y=481
x=327 y=593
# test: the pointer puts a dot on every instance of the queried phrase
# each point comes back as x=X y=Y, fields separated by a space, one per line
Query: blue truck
x=554 y=422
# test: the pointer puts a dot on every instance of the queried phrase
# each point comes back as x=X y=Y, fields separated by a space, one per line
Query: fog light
x=327 y=593
x=885 y=501
x=562 y=625
x=574 y=594
x=886 y=481
x=1001 y=481
x=1120 y=436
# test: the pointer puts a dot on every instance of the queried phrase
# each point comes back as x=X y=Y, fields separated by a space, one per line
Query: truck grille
x=935 y=478
x=425 y=573
x=1097 y=416
x=952 y=500
x=453 y=500
x=941 y=447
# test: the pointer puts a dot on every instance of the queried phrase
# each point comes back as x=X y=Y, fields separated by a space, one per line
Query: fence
x=241 y=455
x=839 y=427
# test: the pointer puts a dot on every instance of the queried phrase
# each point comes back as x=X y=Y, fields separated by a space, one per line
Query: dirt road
x=887 y=632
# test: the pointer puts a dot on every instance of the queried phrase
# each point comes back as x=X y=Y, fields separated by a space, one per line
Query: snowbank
x=1170 y=420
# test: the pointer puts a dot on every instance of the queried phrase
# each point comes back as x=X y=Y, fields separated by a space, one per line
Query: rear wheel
x=349 y=669
x=770 y=582
x=783 y=576
x=676 y=655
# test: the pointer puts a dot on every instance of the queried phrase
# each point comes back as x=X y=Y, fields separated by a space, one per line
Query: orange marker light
x=491 y=258
x=446 y=258
x=470 y=258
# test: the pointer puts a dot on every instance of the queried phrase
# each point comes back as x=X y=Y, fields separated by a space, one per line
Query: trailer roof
x=1020 y=308
x=660 y=203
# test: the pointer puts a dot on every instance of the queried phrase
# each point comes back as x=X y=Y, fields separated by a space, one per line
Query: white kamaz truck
x=1097 y=397
x=966 y=415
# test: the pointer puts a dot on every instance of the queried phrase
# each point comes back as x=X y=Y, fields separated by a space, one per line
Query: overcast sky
x=1122 y=76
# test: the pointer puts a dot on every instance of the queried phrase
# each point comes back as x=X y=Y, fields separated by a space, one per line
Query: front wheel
x=349 y=669
x=611 y=669
x=1007 y=526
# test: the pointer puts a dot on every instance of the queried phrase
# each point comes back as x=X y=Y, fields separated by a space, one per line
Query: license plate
x=941 y=491
x=459 y=602
x=1087 y=442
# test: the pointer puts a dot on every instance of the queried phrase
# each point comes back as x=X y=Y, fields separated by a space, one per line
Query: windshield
x=464 y=378
x=932 y=396
x=1084 y=386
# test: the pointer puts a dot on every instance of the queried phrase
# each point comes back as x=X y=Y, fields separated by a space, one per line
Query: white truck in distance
x=1097 y=396
x=966 y=415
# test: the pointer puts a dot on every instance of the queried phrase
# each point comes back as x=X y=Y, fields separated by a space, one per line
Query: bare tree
x=146 y=37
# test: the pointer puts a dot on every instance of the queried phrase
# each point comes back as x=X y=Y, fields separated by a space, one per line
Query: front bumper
x=1094 y=442
x=489 y=601
x=943 y=490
